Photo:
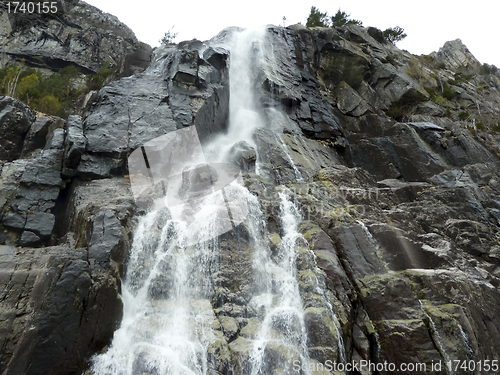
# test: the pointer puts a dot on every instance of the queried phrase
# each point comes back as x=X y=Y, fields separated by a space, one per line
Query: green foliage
x=463 y=115
x=426 y=60
x=434 y=96
x=342 y=18
x=480 y=126
x=441 y=65
x=448 y=113
x=496 y=128
x=169 y=37
x=9 y=77
x=432 y=93
x=482 y=86
x=97 y=80
x=52 y=94
x=390 y=59
x=488 y=69
x=414 y=70
x=396 y=113
x=28 y=88
x=49 y=104
x=449 y=93
x=320 y=19
x=317 y=18
x=461 y=78
x=439 y=100
x=394 y=34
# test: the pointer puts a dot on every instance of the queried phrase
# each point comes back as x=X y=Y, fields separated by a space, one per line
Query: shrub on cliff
x=488 y=69
x=98 y=80
x=394 y=34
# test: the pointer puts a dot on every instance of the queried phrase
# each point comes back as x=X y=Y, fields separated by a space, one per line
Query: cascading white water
x=167 y=285
x=283 y=324
x=244 y=112
x=168 y=323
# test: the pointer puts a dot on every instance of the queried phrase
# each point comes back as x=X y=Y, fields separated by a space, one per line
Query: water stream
x=438 y=339
x=283 y=325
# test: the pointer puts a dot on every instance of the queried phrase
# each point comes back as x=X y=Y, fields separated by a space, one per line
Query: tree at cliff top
x=342 y=18
x=317 y=18
x=169 y=37
x=320 y=19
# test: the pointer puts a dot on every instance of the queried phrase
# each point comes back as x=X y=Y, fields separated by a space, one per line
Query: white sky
x=428 y=23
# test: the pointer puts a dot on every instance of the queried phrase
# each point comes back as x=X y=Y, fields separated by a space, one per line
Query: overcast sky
x=428 y=23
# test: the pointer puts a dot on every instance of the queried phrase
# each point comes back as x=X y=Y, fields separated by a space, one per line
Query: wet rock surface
x=401 y=217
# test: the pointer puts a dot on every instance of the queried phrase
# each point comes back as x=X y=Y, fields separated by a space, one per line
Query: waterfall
x=170 y=324
x=283 y=324
x=245 y=114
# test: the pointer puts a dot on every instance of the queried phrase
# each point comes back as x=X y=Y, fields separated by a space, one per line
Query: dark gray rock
x=28 y=238
x=75 y=143
x=15 y=122
x=133 y=111
x=36 y=198
x=45 y=169
x=94 y=166
x=243 y=155
x=14 y=220
x=350 y=102
x=48 y=292
x=46 y=312
x=106 y=241
x=42 y=223
x=396 y=87
x=37 y=135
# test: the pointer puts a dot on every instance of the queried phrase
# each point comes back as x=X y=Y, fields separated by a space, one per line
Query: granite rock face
x=401 y=214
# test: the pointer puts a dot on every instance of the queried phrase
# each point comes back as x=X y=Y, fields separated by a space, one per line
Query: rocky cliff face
x=78 y=34
x=402 y=213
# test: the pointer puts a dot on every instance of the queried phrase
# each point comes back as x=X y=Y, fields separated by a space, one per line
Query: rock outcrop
x=402 y=213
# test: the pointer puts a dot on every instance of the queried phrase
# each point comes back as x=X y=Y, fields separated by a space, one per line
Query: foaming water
x=166 y=283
